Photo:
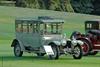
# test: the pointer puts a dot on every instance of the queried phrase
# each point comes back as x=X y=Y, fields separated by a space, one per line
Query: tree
x=66 y=5
x=82 y=6
x=55 y=5
x=96 y=4
x=20 y=3
x=32 y=3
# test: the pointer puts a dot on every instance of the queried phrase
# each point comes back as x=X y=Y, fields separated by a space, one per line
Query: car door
x=31 y=37
x=19 y=32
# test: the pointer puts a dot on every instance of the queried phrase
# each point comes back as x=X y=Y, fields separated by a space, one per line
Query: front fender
x=75 y=42
x=88 y=41
x=80 y=42
x=57 y=42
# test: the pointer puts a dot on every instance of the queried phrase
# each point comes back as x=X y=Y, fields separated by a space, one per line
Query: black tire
x=56 y=52
x=93 y=52
x=40 y=54
x=78 y=52
x=17 y=50
x=85 y=47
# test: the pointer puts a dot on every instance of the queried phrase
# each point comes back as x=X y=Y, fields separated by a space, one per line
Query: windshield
x=54 y=28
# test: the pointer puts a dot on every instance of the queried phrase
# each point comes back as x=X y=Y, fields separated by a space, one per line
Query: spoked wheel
x=40 y=54
x=17 y=50
x=77 y=52
x=56 y=53
x=85 y=48
x=93 y=52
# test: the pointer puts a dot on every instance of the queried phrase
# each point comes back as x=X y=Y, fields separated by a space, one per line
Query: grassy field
x=7 y=59
x=72 y=22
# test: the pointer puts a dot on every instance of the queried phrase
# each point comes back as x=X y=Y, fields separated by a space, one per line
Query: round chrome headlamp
x=63 y=42
x=74 y=42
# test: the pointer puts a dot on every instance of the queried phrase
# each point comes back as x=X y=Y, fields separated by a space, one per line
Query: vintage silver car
x=44 y=35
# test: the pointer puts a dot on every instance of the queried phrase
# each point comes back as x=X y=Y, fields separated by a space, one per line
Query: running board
x=97 y=45
x=96 y=49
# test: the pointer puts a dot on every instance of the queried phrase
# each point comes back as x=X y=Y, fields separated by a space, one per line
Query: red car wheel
x=85 y=48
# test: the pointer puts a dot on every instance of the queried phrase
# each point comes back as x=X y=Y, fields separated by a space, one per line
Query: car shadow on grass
x=24 y=58
x=30 y=58
x=96 y=56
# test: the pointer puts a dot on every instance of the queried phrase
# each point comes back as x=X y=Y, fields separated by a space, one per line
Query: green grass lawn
x=72 y=22
x=31 y=60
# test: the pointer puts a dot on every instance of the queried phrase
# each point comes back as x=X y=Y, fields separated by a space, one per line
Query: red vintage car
x=91 y=38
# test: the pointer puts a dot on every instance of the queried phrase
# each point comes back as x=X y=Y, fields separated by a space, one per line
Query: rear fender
x=14 y=42
x=21 y=45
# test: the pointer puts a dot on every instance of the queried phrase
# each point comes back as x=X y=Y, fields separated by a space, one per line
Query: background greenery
x=78 y=6
x=8 y=14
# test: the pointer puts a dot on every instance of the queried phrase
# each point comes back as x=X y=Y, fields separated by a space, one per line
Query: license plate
x=48 y=50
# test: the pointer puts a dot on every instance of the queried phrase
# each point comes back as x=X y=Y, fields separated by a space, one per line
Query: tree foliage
x=96 y=4
x=82 y=6
x=79 y=6
x=58 y=5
